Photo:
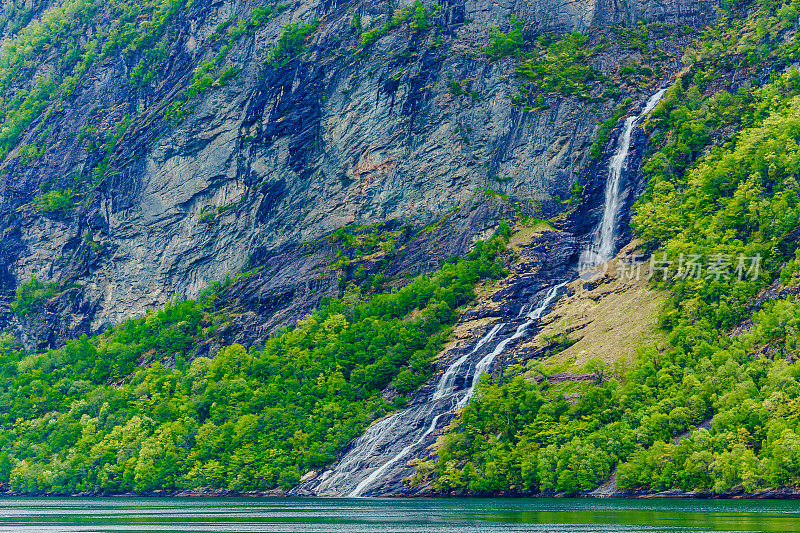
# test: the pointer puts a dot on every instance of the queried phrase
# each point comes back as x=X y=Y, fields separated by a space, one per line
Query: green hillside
x=722 y=185
x=125 y=411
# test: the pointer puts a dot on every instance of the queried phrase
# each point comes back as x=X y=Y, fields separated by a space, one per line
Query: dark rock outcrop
x=278 y=157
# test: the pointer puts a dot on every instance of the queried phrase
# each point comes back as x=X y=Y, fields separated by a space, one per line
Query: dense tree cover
x=709 y=201
x=739 y=198
x=753 y=440
x=136 y=408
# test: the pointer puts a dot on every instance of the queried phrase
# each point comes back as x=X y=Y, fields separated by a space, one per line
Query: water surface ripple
x=306 y=515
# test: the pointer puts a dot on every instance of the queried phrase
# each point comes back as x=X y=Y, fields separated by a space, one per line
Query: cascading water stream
x=485 y=363
x=445 y=388
x=447 y=381
x=405 y=451
x=602 y=248
x=374 y=440
x=381 y=448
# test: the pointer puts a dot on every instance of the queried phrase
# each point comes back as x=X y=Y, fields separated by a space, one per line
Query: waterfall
x=378 y=454
x=446 y=382
x=383 y=446
x=445 y=387
x=485 y=363
x=405 y=430
x=380 y=470
x=602 y=249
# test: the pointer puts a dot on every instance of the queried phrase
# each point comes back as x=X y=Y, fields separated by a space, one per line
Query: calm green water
x=388 y=516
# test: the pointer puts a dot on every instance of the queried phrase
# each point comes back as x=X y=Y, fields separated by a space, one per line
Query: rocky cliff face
x=261 y=167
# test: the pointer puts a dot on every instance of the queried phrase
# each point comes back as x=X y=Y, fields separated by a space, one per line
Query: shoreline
x=674 y=494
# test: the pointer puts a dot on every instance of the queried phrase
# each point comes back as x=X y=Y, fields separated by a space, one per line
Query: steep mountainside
x=150 y=148
x=362 y=249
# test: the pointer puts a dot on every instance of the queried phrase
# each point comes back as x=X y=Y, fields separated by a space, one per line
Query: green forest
x=127 y=411
x=705 y=198
x=150 y=405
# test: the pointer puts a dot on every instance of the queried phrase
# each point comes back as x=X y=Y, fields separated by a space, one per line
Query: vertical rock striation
x=279 y=157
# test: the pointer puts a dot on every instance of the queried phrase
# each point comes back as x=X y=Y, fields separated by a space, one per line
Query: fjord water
x=307 y=515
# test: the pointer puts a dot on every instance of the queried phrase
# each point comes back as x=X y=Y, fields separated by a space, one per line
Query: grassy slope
x=608 y=322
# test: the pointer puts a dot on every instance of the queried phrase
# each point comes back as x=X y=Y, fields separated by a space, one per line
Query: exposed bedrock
x=278 y=158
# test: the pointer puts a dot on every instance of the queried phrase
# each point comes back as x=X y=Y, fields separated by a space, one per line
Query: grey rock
x=280 y=157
